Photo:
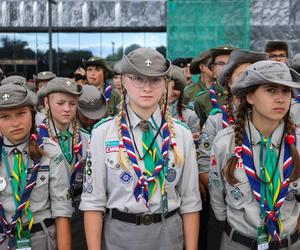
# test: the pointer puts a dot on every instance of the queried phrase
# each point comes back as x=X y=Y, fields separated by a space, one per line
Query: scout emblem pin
x=2 y=184
x=125 y=177
x=148 y=63
x=171 y=175
x=68 y=83
x=5 y=97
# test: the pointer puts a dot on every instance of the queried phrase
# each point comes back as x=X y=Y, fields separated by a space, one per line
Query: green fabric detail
x=201 y=92
x=84 y=131
x=181 y=123
x=65 y=139
x=215 y=111
x=103 y=120
x=151 y=160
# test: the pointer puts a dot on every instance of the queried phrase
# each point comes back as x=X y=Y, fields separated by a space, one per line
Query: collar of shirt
x=135 y=119
x=23 y=147
x=255 y=134
x=58 y=131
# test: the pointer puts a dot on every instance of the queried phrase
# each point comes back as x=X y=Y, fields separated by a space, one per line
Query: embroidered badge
x=237 y=193
x=206 y=144
x=171 y=175
x=2 y=184
x=89 y=188
x=111 y=146
x=291 y=195
x=125 y=177
x=239 y=164
x=89 y=180
x=89 y=171
x=216 y=182
x=213 y=161
x=204 y=137
x=42 y=178
x=59 y=159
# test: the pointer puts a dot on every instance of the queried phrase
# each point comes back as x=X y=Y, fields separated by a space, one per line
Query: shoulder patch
x=201 y=92
x=181 y=123
x=103 y=120
x=215 y=111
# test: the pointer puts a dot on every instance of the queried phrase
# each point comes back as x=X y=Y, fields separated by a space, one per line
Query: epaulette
x=181 y=123
x=103 y=120
x=215 y=111
x=201 y=93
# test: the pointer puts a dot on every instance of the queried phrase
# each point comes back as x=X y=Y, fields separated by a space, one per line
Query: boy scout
x=185 y=64
x=92 y=107
x=97 y=74
x=35 y=210
x=42 y=78
x=204 y=103
x=278 y=51
x=254 y=175
x=198 y=65
x=142 y=205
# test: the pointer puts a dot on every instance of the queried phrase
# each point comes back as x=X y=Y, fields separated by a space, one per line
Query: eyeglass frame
x=142 y=83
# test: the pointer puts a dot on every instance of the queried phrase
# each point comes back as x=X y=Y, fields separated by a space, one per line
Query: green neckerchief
x=269 y=175
x=65 y=139
x=151 y=159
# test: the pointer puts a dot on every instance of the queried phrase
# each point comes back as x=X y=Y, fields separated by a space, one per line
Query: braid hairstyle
x=229 y=104
x=122 y=156
x=180 y=106
x=34 y=151
x=178 y=157
x=290 y=129
x=75 y=126
x=239 y=129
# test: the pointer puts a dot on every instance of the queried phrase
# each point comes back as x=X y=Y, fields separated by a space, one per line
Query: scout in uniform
x=61 y=99
x=254 y=174
x=91 y=107
x=142 y=168
x=117 y=83
x=97 y=73
x=278 y=51
x=42 y=78
x=185 y=64
x=214 y=97
x=34 y=209
x=198 y=65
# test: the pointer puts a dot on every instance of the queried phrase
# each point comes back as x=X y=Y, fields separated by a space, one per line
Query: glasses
x=279 y=56
x=140 y=82
x=219 y=63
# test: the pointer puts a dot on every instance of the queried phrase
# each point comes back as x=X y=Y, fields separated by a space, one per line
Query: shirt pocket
x=40 y=191
x=238 y=195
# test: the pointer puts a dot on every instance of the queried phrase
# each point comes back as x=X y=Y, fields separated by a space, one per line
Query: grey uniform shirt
x=107 y=185
x=295 y=112
x=48 y=198
x=237 y=204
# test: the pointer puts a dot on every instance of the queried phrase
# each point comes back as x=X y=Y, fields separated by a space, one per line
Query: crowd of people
x=140 y=156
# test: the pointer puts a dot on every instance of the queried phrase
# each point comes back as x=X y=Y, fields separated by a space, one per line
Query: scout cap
x=266 y=72
x=295 y=63
x=182 y=62
x=277 y=45
x=14 y=79
x=145 y=62
x=176 y=74
x=194 y=68
x=92 y=103
x=44 y=76
x=16 y=95
x=60 y=84
x=238 y=57
x=223 y=50
x=98 y=61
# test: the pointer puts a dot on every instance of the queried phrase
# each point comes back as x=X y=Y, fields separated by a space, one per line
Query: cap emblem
x=148 y=62
x=5 y=97
x=68 y=83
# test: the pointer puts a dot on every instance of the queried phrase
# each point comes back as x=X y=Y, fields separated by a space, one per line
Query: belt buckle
x=145 y=219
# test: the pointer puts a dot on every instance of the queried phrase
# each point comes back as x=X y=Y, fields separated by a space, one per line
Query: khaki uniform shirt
x=108 y=185
x=191 y=91
x=112 y=105
x=202 y=104
x=295 y=112
x=49 y=197
x=243 y=211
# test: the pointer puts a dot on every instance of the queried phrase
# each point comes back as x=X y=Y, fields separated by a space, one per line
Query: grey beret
x=238 y=57
x=176 y=74
x=14 y=79
x=62 y=85
x=266 y=72
x=44 y=76
x=15 y=95
x=92 y=103
x=145 y=62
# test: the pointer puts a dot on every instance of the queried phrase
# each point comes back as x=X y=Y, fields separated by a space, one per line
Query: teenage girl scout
x=61 y=100
x=34 y=208
x=141 y=170
x=254 y=177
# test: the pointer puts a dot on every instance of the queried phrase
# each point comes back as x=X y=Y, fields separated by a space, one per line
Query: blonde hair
x=122 y=156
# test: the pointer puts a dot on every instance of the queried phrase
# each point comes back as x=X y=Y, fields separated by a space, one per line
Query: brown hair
x=239 y=130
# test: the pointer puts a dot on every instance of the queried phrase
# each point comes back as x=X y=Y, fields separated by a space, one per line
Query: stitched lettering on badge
x=111 y=146
x=59 y=159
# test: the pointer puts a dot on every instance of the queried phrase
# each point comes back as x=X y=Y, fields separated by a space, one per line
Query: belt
x=252 y=243
x=36 y=227
x=138 y=219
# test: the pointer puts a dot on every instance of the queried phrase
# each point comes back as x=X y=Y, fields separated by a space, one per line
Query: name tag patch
x=111 y=146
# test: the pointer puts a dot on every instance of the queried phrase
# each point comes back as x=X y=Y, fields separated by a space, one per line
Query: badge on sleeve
x=237 y=193
x=2 y=184
x=171 y=175
x=291 y=195
x=125 y=177
x=89 y=188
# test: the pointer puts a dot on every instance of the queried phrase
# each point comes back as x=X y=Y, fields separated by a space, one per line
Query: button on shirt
x=108 y=185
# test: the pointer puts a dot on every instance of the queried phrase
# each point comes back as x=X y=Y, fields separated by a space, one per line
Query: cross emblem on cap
x=68 y=83
x=148 y=62
x=92 y=101
x=44 y=73
x=5 y=97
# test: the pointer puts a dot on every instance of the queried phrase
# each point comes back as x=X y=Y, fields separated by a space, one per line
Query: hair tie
x=290 y=139
x=76 y=148
x=34 y=137
x=238 y=151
